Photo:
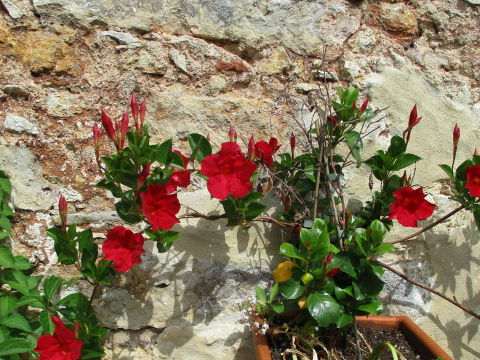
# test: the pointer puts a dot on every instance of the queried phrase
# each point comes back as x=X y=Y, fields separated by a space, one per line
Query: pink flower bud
x=62 y=210
x=143 y=176
x=123 y=129
x=405 y=179
x=364 y=106
x=231 y=133
x=331 y=119
x=208 y=137
x=134 y=106
x=108 y=125
x=456 y=135
x=251 y=149
x=143 y=110
x=293 y=141
x=475 y=152
x=329 y=258
x=413 y=120
x=97 y=134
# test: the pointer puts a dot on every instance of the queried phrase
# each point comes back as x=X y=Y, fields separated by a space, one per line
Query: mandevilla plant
x=331 y=270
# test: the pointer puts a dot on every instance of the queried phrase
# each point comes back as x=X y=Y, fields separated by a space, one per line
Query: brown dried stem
x=416 y=283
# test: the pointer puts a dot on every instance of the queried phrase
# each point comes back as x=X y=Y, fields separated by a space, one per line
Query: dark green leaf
x=375 y=307
x=397 y=146
x=323 y=308
x=448 y=170
x=383 y=248
x=127 y=212
x=161 y=152
x=7 y=305
x=15 y=346
x=31 y=300
x=392 y=183
x=254 y=209
x=46 y=322
x=200 y=146
x=343 y=261
x=405 y=160
x=16 y=321
x=376 y=232
x=51 y=285
x=344 y=320
x=291 y=289
x=290 y=250
x=6 y=258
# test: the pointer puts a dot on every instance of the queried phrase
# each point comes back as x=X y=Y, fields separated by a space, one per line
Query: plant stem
x=89 y=307
x=405 y=277
x=442 y=219
x=357 y=339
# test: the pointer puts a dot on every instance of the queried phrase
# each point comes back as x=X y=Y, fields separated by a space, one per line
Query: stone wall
x=202 y=65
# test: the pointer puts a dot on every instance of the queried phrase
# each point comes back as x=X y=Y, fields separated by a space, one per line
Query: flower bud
x=62 y=210
x=97 y=135
x=108 y=126
x=333 y=272
x=355 y=105
x=134 y=106
x=231 y=133
x=306 y=278
x=413 y=120
x=123 y=129
x=143 y=109
x=293 y=141
x=302 y=303
x=456 y=135
x=475 y=152
x=364 y=106
x=143 y=176
x=251 y=149
x=208 y=137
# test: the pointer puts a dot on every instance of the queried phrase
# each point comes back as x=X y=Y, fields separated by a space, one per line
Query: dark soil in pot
x=345 y=348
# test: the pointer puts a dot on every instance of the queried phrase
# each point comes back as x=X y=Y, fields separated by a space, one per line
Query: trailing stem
x=442 y=219
x=416 y=283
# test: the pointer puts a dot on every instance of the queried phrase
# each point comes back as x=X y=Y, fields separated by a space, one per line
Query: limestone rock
x=20 y=124
x=277 y=63
x=63 y=103
x=301 y=26
x=121 y=37
x=14 y=12
x=398 y=17
x=15 y=91
x=29 y=190
x=178 y=59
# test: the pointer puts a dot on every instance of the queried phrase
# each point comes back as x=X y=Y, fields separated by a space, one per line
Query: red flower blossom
x=228 y=172
x=123 y=247
x=410 y=206
x=179 y=177
x=160 y=207
x=62 y=345
x=473 y=180
x=265 y=151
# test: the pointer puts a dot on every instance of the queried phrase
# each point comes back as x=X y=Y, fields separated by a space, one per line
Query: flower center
x=476 y=180
x=227 y=169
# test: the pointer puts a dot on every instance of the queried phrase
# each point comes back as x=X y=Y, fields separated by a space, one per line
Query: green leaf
x=343 y=261
x=448 y=170
x=378 y=165
x=5 y=184
x=50 y=286
x=16 y=321
x=200 y=146
x=461 y=172
x=375 y=307
x=46 y=322
x=273 y=292
x=279 y=308
x=161 y=152
x=64 y=247
x=164 y=238
x=397 y=146
x=344 y=320
x=252 y=196
x=405 y=160
x=7 y=260
x=376 y=232
x=7 y=305
x=254 y=209
x=323 y=308
x=291 y=289
x=5 y=224
x=15 y=346
x=380 y=348
x=24 y=284
x=127 y=212
x=290 y=250
x=316 y=241
x=21 y=263
x=350 y=95
x=383 y=248
x=31 y=300
x=261 y=294
x=392 y=183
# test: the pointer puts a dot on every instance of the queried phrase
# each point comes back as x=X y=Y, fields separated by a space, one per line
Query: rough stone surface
x=254 y=64
x=20 y=124
x=13 y=11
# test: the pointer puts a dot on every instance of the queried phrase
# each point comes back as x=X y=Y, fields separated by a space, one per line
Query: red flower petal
x=123 y=247
x=160 y=207
x=410 y=206
x=62 y=345
x=228 y=172
x=473 y=180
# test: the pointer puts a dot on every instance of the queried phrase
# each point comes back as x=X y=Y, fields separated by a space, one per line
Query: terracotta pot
x=423 y=344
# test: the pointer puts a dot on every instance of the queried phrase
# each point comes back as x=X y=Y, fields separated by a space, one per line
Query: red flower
x=265 y=151
x=160 y=207
x=123 y=247
x=108 y=126
x=62 y=345
x=413 y=119
x=228 y=172
x=179 y=177
x=473 y=180
x=410 y=206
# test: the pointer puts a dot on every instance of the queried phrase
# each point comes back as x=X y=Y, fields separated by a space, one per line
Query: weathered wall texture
x=202 y=65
